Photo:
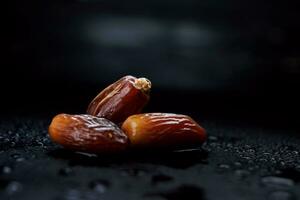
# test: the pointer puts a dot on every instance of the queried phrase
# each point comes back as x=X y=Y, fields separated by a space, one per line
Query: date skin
x=121 y=99
x=163 y=131
x=87 y=133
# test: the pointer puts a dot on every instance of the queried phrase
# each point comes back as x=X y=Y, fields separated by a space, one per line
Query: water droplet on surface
x=251 y=168
x=73 y=194
x=160 y=178
x=212 y=138
x=213 y=144
x=65 y=171
x=224 y=166
x=277 y=181
x=229 y=145
x=15 y=155
x=248 y=158
x=238 y=164
x=6 y=140
x=40 y=143
x=20 y=159
x=263 y=160
x=241 y=173
x=13 y=187
x=282 y=163
x=251 y=151
x=12 y=144
x=277 y=172
x=99 y=185
x=6 y=170
x=281 y=195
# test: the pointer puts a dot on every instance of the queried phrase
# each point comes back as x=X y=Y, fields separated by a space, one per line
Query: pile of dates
x=113 y=123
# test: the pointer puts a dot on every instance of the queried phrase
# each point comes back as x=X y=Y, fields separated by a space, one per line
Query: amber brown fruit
x=163 y=131
x=121 y=99
x=87 y=133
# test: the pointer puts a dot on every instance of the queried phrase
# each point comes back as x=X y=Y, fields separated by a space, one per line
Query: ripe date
x=121 y=99
x=163 y=130
x=87 y=133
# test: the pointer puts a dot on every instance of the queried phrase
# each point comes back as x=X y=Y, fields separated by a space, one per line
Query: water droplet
x=224 y=166
x=281 y=195
x=12 y=144
x=238 y=164
x=212 y=138
x=6 y=140
x=247 y=158
x=282 y=163
x=40 y=143
x=65 y=171
x=15 y=155
x=20 y=159
x=6 y=170
x=277 y=172
x=251 y=151
x=277 y=181
x=251 y=168
x=241 y=173
x=13 y=187
x=99 y=185
x=229 y=145
x=161 y=178
x=73 y=194
x=213 y=144
x=263 y=160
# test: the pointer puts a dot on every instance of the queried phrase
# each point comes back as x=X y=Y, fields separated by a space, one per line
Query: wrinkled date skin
x=163 y=131
x=87 y=133
x=121 y=99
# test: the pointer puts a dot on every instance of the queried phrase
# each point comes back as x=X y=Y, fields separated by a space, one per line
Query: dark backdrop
x=206 y=58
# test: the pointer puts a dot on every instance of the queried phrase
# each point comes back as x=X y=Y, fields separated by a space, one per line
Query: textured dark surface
x=237 y=162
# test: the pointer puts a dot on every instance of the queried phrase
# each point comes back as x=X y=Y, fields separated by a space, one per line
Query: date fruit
x=87 y=133
x=163 y=131
x=121 y=99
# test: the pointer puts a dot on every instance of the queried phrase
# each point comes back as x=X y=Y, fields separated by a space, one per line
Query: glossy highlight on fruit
x=163 y=130
x=121 y=99
x=87 y=133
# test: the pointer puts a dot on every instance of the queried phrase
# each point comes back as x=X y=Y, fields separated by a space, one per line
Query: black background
x=227 y=56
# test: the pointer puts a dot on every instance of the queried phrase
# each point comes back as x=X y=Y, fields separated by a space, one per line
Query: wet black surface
x=237 y=162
